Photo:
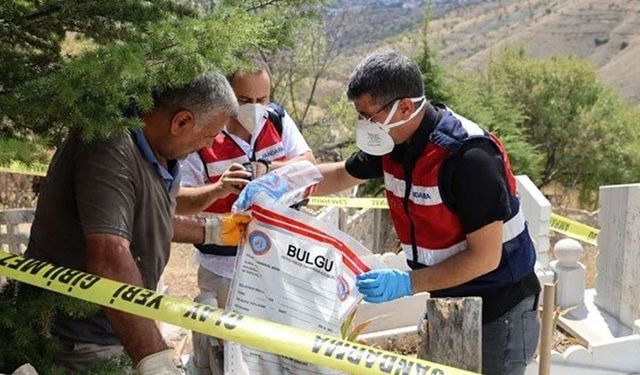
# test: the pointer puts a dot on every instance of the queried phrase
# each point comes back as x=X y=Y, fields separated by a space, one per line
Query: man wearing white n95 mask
x=453 y=201
x=261 y=138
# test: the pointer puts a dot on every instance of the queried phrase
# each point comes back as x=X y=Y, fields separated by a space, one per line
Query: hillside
x=370 y=21
x=605 y=32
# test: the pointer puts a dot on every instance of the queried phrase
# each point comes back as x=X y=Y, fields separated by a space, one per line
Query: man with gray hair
x=453 y=201
x=107 y=207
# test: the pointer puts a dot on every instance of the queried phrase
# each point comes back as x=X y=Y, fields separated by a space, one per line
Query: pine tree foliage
x=136 y=47
x=433 y=73
x=130 y=48
x=31 y=35
x=475 y=98
x=26 y=316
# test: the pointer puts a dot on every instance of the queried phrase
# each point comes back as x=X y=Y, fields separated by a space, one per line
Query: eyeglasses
x=364 y=115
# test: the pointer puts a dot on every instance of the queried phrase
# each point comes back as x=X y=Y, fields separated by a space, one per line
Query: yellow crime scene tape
x=349 y=202
x=260 y=334
x=558 y=223
x=574 y=229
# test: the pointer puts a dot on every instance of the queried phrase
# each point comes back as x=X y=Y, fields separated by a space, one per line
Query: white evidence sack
x=295 y=270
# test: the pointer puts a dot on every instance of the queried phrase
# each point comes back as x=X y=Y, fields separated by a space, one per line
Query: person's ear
x=182 y=121
x=406 y=107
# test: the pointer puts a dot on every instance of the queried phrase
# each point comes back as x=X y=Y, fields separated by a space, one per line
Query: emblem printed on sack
x=259 y=242
x=343 y=289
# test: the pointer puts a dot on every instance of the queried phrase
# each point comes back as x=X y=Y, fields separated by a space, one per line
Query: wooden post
x=546 y=336
x=452 y=333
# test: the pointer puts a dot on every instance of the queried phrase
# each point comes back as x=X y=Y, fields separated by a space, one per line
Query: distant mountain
x=403 y=3
x=468 y=33
x=370 y=21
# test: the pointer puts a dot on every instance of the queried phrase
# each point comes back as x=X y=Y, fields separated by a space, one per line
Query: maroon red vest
x=429 y=231
x=224 y=151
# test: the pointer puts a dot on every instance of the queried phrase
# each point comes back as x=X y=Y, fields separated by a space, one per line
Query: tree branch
x=262 y=5
x=35 y=16
x=292 y=99
x=312 y=93
x=333 y=145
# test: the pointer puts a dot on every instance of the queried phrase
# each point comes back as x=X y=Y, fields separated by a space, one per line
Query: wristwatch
x=266 y=163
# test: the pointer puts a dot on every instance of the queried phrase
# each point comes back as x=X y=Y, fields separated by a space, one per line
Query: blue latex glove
x=384 y=285
x=270 y=184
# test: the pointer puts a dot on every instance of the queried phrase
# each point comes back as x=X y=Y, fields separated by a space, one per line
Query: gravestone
x=373 y=228
x=537 y=212
x=617 y=286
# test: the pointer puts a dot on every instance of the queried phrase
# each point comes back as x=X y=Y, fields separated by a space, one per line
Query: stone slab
x=544 y=276
x=394 y=314
x=592 y=324
x=619 y=354
x=619 y=259
x=570 y=369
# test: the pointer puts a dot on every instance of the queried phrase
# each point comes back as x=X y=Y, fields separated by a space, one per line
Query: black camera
x=249 y=167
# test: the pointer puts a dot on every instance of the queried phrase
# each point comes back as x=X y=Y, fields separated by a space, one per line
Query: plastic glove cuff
x=212 y=230
x=151 y=363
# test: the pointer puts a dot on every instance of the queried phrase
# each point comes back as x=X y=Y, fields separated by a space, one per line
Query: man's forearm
x=483 y=254
x=139 y=336
x=306 y=156
x=454 y=271
x=335 y=178
x=457 y=270
x=188 y=229
x=193 y=200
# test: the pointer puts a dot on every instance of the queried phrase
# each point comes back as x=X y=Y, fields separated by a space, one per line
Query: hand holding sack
x=225 y=230
x=382 y=285
x=287 y=186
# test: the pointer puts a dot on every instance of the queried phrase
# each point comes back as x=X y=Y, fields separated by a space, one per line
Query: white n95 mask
x=250 y=115
x=373 y=137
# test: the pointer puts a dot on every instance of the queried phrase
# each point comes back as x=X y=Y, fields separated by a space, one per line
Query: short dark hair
x=386 y=75
x=206 y=94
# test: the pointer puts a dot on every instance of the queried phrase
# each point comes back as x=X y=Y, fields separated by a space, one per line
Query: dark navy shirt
x=115 y=187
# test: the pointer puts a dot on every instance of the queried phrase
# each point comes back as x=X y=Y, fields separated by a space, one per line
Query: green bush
x=480 y=101
x=586 y=134
x=559 y=124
